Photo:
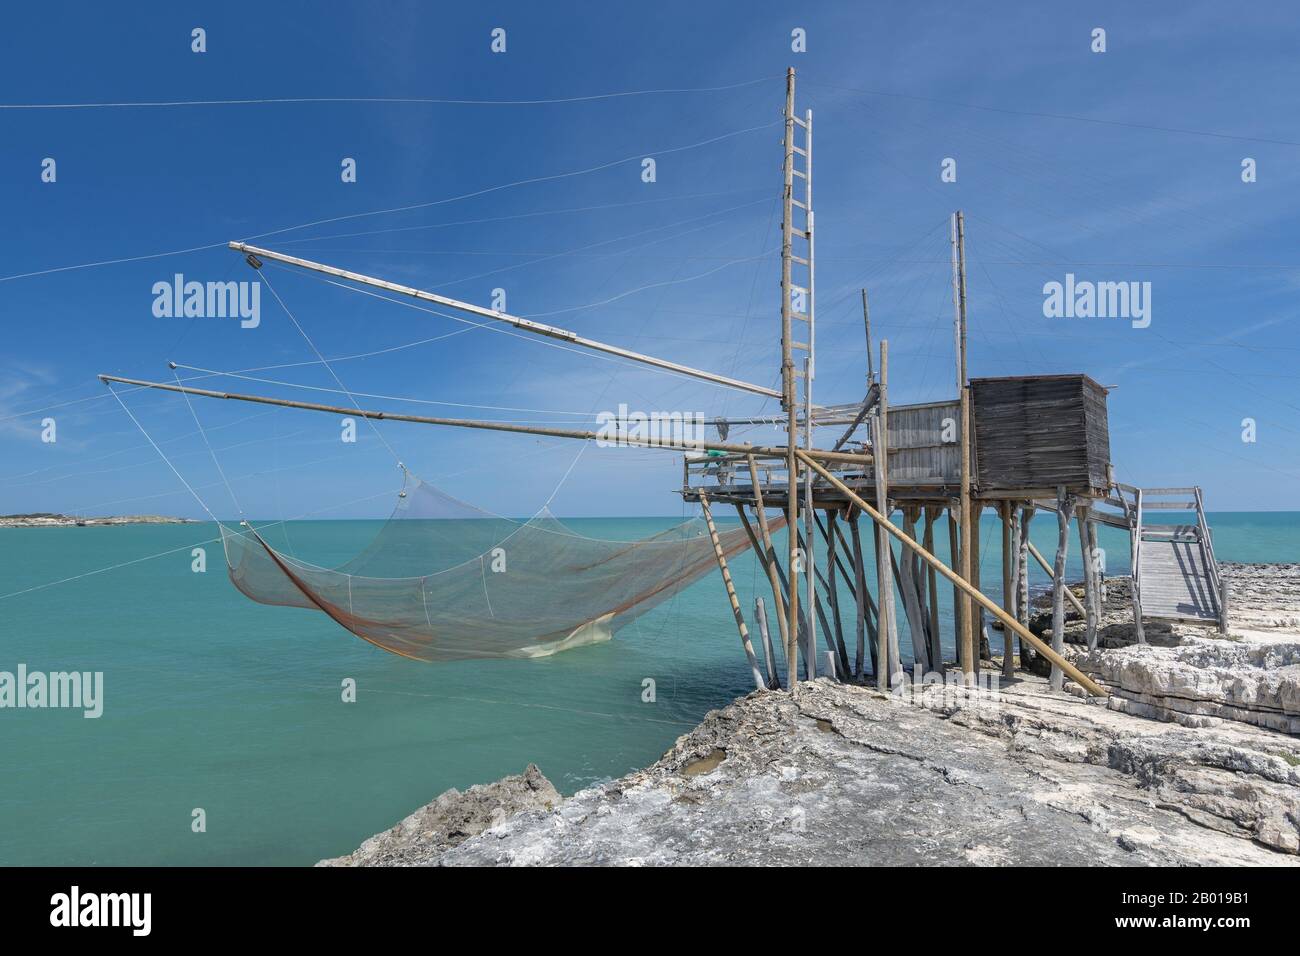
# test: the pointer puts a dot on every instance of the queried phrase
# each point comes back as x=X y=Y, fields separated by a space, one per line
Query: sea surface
x=213 y=702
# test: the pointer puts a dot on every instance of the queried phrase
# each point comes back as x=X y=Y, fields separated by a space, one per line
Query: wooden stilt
x=911 y=606
x=980 y=635
x=936 y=645
x=1022 y=577
x=864 y=599
x=987 y=603
x=969 y=652
x=1008 y=587
x=1089 y=579
x=832 y=592
x=887 y=637
x=1064 y=508
x=759 y=681
x=769 y=652
x=771 y=564
x=958 y=603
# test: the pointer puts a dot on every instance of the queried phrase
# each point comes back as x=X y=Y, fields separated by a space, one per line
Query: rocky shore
x=50 y=520
x=1185 y=764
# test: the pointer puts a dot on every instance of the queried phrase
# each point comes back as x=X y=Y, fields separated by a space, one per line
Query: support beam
x=1008 y=588
x=759 y=682
x=987 y=603
x=770 y=564
x=1090 y=595
x=887 y=631
x=769 y=653
x=1064 y=509
x=580 y=434
x=936 y=644
x=864 y=598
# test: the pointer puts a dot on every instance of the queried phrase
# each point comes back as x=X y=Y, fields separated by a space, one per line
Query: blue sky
x=1121 y=166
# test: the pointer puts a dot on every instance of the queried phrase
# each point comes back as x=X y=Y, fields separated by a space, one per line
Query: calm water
x=212 y=701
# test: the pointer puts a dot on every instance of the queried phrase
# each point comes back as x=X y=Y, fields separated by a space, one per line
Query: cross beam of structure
x=581 y=434
x=524 y=325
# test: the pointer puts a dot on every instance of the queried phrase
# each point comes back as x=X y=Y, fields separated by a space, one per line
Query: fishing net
x=444 y=581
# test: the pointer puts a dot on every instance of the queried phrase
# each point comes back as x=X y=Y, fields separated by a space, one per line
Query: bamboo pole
x=988 y=604
x=959 y=608
x=759 y=681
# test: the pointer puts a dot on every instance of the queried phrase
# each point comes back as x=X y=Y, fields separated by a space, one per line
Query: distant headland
x=45 y=519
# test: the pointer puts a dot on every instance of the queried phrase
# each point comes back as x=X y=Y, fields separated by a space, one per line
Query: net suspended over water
x=444 y=581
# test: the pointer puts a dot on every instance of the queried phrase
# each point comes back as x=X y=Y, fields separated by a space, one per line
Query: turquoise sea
x=214 y=702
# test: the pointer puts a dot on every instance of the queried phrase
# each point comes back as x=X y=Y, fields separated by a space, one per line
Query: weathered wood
x=1040 y=431
x=1022 y=592
x=911 y=606
x=880 y=521
x=864 y=599
x=769 y=652
x=968 y=656
x=832 y=592
x=958 y=603
x=1089 y=580
x=932 y=589
x=718 y=553
x=1008 y=595
x=887 y=637
x=771 y=566
x=1064 y=509
x=1043 y=563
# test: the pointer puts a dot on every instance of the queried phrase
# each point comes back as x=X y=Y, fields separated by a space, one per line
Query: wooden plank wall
x=1040 y=432
x=918 y=455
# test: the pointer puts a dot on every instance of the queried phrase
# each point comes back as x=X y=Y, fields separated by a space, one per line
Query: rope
x=330 y=369
x=163 y=455
x=211 y=452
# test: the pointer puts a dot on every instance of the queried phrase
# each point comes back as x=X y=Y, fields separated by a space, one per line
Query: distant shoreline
x=46 y=520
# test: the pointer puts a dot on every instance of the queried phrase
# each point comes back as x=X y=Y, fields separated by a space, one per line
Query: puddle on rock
x=704 y=765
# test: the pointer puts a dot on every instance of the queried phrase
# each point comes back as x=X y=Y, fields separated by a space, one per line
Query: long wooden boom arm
x=525 y=325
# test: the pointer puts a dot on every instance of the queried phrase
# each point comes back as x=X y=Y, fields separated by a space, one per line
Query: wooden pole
x=936 y=645
x=970 y=664
x=1008 y=589
x=987 y=603
x=832 y=592
x=1022 y=577
x=759 y=682
x=1043 y=563
x=959 y=608
x=864 y=597
x=772 y=563
x=1089 y=579
x=911 y=606
x=524 y=325
x=769 y=653
x=669 y=444
x=788 y=384
x=1064 y=508
x=887 y=636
